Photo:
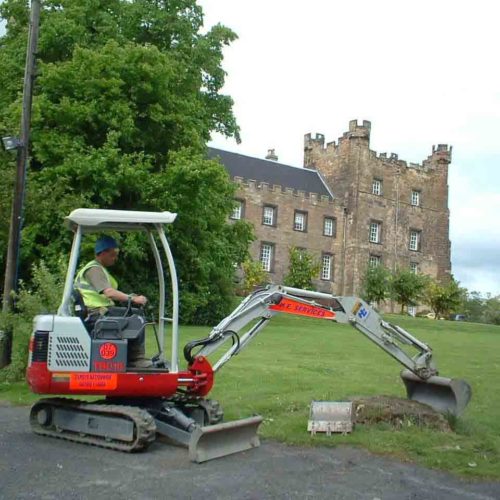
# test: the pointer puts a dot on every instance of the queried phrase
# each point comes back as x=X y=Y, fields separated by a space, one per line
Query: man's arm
x=114 y=294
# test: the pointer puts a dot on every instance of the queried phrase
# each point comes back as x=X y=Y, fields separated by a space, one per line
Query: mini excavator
x=67 y=356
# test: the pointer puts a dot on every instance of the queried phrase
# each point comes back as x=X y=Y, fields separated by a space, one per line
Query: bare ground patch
x=397 y=412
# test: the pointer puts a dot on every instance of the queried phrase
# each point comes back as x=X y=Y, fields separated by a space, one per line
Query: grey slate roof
x=272 y=172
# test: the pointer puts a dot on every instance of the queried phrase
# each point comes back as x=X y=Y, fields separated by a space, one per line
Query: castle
x=349 y=206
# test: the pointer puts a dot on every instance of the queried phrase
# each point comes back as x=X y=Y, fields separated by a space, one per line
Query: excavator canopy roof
x=94 y=219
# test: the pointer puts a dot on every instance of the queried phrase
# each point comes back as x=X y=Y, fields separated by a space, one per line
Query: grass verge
x=297 y=360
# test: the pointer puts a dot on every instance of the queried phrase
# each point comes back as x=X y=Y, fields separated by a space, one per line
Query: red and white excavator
x=70 y=357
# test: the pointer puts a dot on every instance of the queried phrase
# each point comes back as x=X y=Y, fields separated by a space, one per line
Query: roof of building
x=272 y=172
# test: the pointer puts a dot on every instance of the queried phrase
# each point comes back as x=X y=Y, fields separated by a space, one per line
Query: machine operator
x=99 y=290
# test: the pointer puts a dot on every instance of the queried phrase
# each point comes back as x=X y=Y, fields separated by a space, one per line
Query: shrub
x=253 y=275
x=302 y=270
x=43 y=296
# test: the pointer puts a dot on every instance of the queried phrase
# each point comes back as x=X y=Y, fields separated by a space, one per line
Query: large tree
x=126 y=97
x=444 y=298
x=407 y=287
x=376 y=284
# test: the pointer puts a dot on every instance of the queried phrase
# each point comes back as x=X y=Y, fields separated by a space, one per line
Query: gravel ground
x=36 y=467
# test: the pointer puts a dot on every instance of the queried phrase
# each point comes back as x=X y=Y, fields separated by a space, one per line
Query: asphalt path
x=32 y=466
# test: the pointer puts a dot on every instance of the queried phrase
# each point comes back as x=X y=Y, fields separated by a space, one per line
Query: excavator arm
x=255 y=311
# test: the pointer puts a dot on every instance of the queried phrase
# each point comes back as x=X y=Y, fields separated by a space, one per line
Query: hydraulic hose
x=188 y=348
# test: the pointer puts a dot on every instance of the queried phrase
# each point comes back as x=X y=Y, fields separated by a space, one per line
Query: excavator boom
x=420 y=375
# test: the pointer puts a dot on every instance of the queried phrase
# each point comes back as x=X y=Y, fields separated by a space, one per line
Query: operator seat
x=80 y=309
x=119 y=327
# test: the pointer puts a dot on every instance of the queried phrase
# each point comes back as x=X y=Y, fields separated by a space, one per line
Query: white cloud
x=423 y=73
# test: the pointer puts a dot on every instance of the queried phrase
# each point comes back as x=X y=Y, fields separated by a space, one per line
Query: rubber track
x=145 y=427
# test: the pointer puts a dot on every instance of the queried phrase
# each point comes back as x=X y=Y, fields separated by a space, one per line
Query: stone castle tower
x=396 y=212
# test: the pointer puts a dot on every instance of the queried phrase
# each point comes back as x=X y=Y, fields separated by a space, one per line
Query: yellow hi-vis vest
x=91 y=297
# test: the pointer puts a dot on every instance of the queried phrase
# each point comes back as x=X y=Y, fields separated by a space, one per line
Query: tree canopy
x=376 y=284
x=407 y=287
x=444 y=298
x=126 y=96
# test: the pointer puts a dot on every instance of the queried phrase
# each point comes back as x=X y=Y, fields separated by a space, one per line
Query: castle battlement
x=441 y=154
x=358 y=131
x=284 y=191
x=318 y=140
x=355 y=131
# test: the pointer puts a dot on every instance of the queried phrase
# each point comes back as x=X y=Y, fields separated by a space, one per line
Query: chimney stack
x=271 y=155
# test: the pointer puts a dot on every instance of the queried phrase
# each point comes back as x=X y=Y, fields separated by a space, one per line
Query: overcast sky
x=422 y=72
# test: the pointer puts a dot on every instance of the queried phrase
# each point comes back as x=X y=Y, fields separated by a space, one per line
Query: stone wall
x=283 y=236
x=350 y=167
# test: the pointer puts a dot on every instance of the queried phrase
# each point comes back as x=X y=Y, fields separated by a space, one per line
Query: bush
x=43 y=296
x=253 y=275
x=376 y=284
x=303 y=269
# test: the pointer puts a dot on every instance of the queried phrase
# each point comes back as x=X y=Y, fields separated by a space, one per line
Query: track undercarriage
x=131 y=425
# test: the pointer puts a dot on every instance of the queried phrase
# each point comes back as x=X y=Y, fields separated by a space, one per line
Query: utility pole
x=12 y=262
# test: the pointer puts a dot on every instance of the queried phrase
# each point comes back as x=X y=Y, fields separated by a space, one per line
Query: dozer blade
x=445 y=395
x=219 y=440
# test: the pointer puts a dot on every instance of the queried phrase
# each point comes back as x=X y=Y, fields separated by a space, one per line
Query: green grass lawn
x=296 y=360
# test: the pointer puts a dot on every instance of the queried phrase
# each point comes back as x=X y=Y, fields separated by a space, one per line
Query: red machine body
x=197 y=380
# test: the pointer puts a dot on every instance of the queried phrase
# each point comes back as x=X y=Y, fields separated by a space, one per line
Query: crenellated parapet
x=316 y=152
x=285 y=193
x=441 y=154
x=358 y=131
x=355 y=131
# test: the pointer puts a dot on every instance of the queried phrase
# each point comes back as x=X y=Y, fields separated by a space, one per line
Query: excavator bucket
x=219 y=440
x=445 y=395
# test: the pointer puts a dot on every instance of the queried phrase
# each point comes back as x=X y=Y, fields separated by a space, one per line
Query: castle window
x=327 y=266
x=374 y=260
x=330 y=227
x=300 y=221
x=237 y=210
x=377 y=187
x=266 y=256
x=269 y=215
x=415 y=198
x=415 y=240
x=375 y=232
x=414 y=267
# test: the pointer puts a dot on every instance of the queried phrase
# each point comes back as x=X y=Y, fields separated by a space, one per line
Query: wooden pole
x=12 y=262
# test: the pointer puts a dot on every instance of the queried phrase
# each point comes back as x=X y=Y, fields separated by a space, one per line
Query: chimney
x=271 y=155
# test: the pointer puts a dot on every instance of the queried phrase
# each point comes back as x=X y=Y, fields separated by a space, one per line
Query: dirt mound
x=397 y=412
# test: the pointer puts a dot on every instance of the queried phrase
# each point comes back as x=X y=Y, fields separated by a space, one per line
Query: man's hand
x=140 y=300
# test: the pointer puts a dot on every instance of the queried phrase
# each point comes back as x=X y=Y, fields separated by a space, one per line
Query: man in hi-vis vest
x=99 y=290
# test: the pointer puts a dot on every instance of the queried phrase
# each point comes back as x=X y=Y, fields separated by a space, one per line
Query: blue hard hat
x=105 y=243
